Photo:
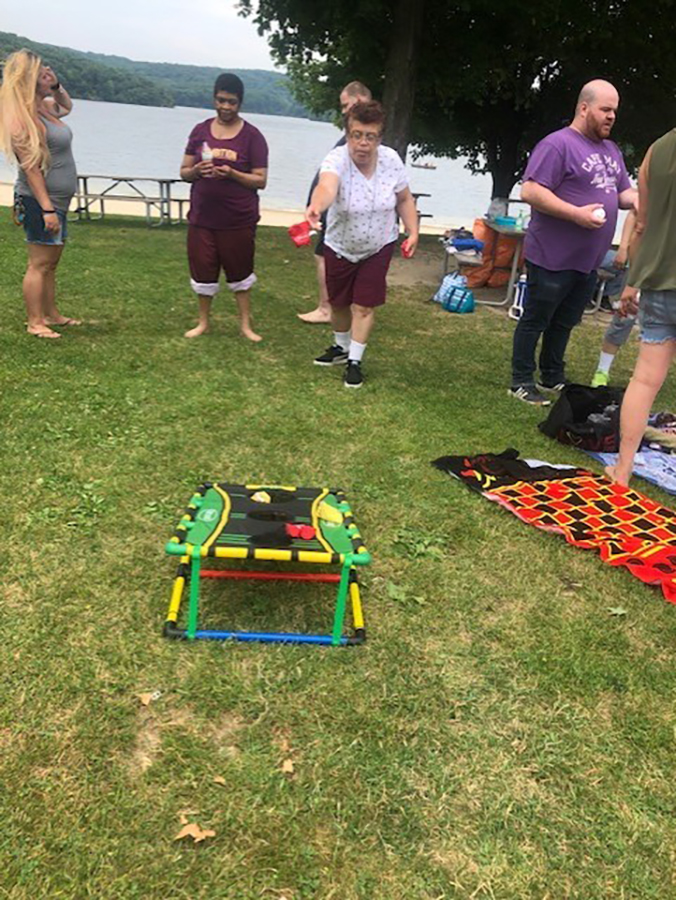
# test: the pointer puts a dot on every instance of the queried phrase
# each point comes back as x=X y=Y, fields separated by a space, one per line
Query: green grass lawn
x=500 y=735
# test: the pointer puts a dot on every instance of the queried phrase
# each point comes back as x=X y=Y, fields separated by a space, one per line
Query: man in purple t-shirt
x=575 y=181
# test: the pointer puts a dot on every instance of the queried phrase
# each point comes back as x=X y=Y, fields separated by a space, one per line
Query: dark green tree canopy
x=489 y=79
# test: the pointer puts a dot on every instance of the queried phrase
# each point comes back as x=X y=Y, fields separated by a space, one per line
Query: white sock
x=356 y=351
x=605 y=362
x=341 y=339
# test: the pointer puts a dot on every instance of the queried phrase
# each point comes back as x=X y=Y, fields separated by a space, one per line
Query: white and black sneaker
x=555 y=388
x=353 y=377
x=528 y=393
x=332 y=356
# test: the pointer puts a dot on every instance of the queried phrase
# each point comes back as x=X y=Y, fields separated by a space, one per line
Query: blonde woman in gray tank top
x=33 y=135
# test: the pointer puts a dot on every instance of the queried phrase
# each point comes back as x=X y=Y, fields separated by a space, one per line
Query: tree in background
x=480 y=79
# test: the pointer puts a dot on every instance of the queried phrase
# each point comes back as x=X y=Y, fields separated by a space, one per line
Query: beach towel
x=627 y=528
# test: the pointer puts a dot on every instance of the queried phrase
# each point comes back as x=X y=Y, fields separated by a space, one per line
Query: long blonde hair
x=22 y=138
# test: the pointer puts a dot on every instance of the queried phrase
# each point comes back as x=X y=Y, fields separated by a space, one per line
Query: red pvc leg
x=269 y=576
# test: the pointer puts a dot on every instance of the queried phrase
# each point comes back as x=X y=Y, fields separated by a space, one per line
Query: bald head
x=596 y=109
x=592 y=90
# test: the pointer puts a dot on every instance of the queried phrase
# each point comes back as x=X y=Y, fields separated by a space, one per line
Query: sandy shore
x=280 y=218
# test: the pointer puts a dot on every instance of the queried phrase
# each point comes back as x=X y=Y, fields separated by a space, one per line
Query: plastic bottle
x=207 y=153
x=520 y=221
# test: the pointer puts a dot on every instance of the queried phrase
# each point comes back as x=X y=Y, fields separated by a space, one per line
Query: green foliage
x=491 y=78
x=88 y=80
x=99 y=76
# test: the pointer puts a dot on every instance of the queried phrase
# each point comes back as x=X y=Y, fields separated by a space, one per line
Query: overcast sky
x=202 y=32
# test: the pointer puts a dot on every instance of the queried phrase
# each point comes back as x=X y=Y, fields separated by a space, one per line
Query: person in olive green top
x=652 y=272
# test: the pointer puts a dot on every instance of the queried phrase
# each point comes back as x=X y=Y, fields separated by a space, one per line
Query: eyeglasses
x=370 y=137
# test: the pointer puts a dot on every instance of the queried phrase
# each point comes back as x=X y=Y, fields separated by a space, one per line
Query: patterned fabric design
x=627 y=528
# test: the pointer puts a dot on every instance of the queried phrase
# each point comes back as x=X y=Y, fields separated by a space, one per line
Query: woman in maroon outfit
x=226 y=161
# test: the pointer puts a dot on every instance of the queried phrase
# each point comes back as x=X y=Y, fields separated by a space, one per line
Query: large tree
x=481 y=79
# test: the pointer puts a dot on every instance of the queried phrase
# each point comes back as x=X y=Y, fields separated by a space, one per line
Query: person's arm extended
x=546 y=201
x=322 y=197
x=629 y=305
x=255 y=180
x=408 y=213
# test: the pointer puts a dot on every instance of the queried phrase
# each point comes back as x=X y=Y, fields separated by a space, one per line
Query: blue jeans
x=554 y=306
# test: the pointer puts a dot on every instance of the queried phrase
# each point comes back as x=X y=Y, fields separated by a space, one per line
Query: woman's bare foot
x=318 y=316
x=616 y=476
x=42 y=331
x=64 y=320
x=250 y=335
x=202 y=328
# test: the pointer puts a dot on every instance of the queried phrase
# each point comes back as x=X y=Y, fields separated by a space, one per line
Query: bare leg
x=651 y=369
x=244 y=309
x=42 y=262
x=203 y=325
x=322 y=314
x=607 y=347
x=363 y=318
x=52 y=314
x=341 y=318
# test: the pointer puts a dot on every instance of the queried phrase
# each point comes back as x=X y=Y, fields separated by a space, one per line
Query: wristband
x=47 y=212
x=56 y=87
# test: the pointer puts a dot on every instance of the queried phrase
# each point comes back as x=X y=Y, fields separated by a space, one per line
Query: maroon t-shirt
x=225 y=204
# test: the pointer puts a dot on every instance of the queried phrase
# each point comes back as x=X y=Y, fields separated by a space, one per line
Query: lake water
x=121 y=139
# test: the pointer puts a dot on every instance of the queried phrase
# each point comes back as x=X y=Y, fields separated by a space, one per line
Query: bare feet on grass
x=202 y=328
x=617 y=476
x=42 y=331
x=64 y=320
x=250 y=335
x=319 y=316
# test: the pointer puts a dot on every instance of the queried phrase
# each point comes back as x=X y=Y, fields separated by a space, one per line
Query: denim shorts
x=28 y=212
x=657 y=316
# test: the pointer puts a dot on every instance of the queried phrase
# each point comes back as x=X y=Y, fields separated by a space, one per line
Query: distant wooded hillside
x=97 y=76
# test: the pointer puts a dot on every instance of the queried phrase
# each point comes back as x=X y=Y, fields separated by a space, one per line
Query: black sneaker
x=529 y=394
x=557 y=388
x=353 y=377
x=332 y=356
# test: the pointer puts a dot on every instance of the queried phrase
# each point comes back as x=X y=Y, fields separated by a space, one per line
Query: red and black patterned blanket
x=626 y=527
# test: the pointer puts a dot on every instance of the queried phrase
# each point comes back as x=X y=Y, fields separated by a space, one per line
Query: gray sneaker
x=332 y=356
x=528 y=393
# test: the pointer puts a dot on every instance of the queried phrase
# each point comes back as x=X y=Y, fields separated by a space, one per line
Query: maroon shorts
x=209 y=251
x=363 y=282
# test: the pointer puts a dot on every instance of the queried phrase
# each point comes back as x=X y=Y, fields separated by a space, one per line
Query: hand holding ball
x=599 y=214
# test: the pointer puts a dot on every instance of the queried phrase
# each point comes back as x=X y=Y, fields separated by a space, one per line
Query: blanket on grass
x=627 y=528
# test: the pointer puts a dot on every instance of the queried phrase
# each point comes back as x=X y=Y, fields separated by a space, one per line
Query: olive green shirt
x=654 y=266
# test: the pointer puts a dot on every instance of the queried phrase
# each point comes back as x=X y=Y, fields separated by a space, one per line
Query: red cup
x=405 y=251
x=300 y=234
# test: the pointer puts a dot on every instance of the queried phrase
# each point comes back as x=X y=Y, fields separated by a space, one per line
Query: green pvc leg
x=341 y=601
x=193 y=608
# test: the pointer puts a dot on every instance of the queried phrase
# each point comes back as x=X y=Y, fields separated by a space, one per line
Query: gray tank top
x=61 y=177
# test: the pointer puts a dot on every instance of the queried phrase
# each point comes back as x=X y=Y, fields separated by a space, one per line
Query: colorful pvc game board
x=277 y=523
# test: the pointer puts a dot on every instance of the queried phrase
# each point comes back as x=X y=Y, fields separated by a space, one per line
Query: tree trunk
x=503 y=160
x=400 y=73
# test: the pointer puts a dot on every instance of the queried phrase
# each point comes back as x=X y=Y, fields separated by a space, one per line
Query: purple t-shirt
x=225 y=204
x=579 y=171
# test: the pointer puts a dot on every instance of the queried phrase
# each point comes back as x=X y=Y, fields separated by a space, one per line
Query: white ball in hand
x=600 y=214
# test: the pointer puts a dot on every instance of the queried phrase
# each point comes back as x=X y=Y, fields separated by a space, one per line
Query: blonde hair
x=21 y=137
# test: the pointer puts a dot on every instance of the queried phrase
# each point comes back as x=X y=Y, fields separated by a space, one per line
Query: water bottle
x=520 y=221
x=520 y=294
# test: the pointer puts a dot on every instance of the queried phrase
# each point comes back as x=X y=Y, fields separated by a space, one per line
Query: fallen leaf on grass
x=218 y=779
x=148 y=697
x=184 y=813
x=193 y=830
x=287 y=767
x=617 y=611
